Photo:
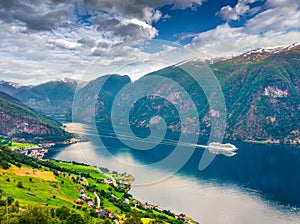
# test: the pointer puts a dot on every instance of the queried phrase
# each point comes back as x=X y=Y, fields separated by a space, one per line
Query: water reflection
x=258 y=185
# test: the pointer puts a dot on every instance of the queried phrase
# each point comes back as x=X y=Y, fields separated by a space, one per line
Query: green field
x=21 y=145
x=53 y=184
x=12 y=144
x=80 y=168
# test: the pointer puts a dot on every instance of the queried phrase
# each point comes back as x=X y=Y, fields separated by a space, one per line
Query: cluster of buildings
x=107 y=214
x=84 y=198
x=37 y=151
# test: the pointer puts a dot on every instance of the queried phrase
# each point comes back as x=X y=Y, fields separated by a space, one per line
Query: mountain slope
x=9 y=88
x=261 y=93
x=261 y=90
x=53 y=98
x=262 y=96
x=96 y=98
x=18 y=120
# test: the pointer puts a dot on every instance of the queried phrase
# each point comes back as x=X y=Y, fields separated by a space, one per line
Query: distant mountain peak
x=252 y=54
x=272 y=50
x=12 y=84
x=265 y=52
x=68 y=80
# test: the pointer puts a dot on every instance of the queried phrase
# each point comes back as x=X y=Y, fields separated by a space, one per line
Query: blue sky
x=46 y=40
x=189 y=22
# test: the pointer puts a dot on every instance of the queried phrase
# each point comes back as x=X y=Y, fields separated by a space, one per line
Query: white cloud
x=151 y=15
x=32 y=52
x=277 y=24
x=241 y=8
x=228 y=13
x=280 y=17
x=182 y=4
x=67 y=44
x=41 y=40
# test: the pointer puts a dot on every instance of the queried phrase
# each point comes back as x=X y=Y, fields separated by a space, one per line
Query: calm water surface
x=261 y=184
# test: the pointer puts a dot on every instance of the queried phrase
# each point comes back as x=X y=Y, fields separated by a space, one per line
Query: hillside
x=262 y=96
x=261 y=92
x=260 y=87
x=52 y=98
x=60 y=192
x=20 y=121
x=96 y=98
x=11 y=88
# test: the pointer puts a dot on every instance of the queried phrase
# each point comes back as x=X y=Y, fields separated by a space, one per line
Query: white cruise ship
x=220 y=146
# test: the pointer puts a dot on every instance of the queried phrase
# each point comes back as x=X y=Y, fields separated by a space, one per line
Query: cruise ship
x=217 y=148
x=220 y=146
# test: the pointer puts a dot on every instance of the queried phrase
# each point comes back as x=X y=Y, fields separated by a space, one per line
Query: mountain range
x=260 y=88
x=53 y=98
x=22 y=123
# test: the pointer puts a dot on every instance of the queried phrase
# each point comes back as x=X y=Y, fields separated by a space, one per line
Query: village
x=118 y=186
x=124 y=181
x=36 y=151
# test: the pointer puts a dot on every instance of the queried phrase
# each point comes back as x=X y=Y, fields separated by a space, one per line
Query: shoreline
x=84 y=181
x=183 y=217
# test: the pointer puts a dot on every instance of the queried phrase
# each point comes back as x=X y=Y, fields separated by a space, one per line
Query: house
x=107 y=181
x=83 y=195
x=101 y=212
x=98 y=210
x=81 y=180
x=90 y=202
x=79 y=201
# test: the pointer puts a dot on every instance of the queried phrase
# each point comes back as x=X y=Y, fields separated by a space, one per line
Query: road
x=109 y=176
x=98 y=199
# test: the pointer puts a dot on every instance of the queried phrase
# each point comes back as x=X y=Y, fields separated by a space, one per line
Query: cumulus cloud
x=140 y=8
x=281 y=16
x=278 y=24
x=35 y=14
x=67 y=44
x=234 y=13
x=42 y=40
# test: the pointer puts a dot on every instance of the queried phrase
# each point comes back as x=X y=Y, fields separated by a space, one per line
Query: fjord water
x=258 y=185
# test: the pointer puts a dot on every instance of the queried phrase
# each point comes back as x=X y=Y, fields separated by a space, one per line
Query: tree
x=15 y=207
x=20 y=184
x=134 y=218
x=63 y=213
x=107 y=221
x=103 y=193
x=75 y=218
x=35 y=215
